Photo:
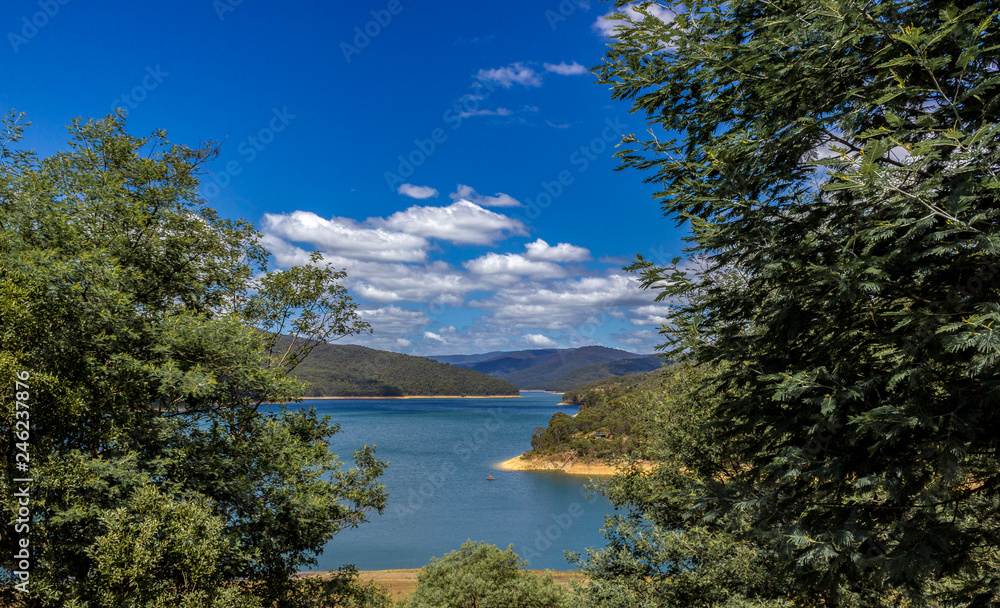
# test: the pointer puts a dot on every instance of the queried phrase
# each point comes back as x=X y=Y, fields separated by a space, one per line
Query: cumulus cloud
x=345 y=237
x=285 y=254
x=539 y=340
x=461 y=222
x=609 y=27
x=649 y=316
x=563 y=252
x=515 y=73
x=437 y=282
x=433 y=336
x=393 y=319
x=566 y=69
x=513 y=265
x=419 y=192
x=564 y=305
x=468 y=193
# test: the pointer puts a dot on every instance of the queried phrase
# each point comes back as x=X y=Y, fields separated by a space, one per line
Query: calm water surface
x=441 y=452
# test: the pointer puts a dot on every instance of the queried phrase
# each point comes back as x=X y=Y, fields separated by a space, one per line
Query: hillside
x=612 y=387
x=334 y=370
x=612 y=421
x=613 y=369
x=555 y=369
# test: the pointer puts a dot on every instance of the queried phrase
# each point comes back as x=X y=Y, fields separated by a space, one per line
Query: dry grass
x=401 y=583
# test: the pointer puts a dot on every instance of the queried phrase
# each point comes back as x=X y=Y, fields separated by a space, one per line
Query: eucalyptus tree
x=842 y=157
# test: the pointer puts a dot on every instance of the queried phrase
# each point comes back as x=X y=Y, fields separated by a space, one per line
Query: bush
x=484 y=576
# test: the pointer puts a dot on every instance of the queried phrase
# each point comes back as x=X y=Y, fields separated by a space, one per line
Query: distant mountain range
x=555 y=369
x=335 y=370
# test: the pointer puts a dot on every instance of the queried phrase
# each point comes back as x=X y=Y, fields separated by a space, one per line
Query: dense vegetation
x=838 y=165
x=483 y=576
x=133 y=336
x=598 y=371
x=345 y=370
x=556 y=369
x=605 y=427
x=610 y=388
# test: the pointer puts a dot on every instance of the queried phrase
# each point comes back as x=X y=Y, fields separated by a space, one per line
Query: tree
x=140 y=323
x=481 y=575
x=841 y=157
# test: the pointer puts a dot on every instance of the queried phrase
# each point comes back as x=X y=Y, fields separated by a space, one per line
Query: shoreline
x=421 y=397
x=569 y=466
x=402 y=582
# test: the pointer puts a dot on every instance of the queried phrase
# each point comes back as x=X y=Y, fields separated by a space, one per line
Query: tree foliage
x=840 y=157
x=480 y=575
x=142 y=318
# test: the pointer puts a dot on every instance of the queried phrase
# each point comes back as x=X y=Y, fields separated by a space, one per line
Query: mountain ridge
x=348 y=370
x=554 y=369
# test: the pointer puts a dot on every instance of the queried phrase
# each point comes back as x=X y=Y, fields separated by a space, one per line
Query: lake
x=441 y=453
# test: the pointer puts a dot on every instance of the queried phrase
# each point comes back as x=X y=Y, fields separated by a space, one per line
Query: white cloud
x=461 y=222
x=437 y=282
x=566 y=69
x=433 y=336
x=643 y=341
x=420 y=192
x=345 y=237
x=609 y=27
x=515 y=73
x=285 y=254
x=393 y=319
x=652 y=315
x=552 y=124
x=513 y=265
x=563 y=252
x=468 y=193
x=497 y=112
x=539 y=340
x=564 y=305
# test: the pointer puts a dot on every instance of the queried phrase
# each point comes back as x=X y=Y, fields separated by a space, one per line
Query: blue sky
x=455 y=158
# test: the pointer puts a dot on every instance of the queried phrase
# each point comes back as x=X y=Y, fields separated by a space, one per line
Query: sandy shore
x=401 y=583
x=566 y=465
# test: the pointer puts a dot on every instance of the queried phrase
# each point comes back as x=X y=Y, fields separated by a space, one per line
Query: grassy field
x=401 y=583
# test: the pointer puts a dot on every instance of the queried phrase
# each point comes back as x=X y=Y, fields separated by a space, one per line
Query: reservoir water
x=441 y=453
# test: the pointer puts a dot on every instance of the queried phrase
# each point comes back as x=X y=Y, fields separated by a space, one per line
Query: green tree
x=480 y=575
x=657 y=554
x=841 y=156
x=143 y=323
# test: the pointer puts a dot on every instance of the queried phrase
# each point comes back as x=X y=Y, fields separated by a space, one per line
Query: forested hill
x=612 y=387
x=556 y=369
x=612 y=421
x=334 y=370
